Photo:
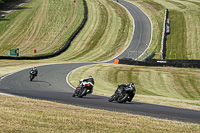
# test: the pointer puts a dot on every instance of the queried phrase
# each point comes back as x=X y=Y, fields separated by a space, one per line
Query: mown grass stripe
x=154 y=83
x=123 y=32
x=98 y=33
x=176 y=41
x=182 y=82
x=193 y=81
x=180 y=5
x=162 y=83
x=38 y=23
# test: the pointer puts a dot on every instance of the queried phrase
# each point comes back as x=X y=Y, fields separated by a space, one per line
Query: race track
x=51 y=81
x=142 y=35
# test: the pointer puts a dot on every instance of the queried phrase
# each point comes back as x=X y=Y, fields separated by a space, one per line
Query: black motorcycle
x=82 y=89
x=121 y=95
x=32 y=75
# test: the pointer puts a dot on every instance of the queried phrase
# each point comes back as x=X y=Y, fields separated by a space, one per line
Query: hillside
x=39 y=25
x=184 y=39
x=167 y=86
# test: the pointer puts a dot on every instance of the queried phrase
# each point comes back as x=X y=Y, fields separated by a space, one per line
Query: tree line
x=1 y=1
x=4 y=3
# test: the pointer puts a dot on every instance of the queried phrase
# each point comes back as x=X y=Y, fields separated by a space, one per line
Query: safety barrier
x=61 y=50
x=149 y=57
x=166 y=31
x=162 y=63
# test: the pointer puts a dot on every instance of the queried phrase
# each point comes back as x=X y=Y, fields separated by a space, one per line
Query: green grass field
x=39 y=25
x=184 y=39
x=101 y=38
x=167 y=86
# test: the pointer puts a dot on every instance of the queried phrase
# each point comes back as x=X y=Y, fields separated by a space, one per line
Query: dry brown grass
x=26 y=115
x=10 y=66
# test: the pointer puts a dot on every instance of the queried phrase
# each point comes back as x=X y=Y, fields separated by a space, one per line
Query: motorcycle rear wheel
x=73 y=95
x=123 y=98
x=82 y=92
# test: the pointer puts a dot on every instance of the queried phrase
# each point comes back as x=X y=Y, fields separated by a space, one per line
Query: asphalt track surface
x=51 y=84
x=142 y=35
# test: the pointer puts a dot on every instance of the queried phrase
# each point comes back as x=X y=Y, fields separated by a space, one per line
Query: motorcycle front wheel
x=111 y=99
x=31 y=77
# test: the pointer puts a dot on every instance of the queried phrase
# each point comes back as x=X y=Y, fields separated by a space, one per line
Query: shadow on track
x=42 y=82
x=88 y=97
x=22 y=8
x=132 y=102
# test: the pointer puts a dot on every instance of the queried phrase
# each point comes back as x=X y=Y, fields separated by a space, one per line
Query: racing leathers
x=89 y=80
x=34 y=70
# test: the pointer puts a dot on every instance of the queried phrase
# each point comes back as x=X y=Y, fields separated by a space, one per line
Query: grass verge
x=172 y=86
x=27 y=115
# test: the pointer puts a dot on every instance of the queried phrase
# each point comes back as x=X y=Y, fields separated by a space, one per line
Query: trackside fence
x=149 y=57
x=166 y=31
x=162 y=63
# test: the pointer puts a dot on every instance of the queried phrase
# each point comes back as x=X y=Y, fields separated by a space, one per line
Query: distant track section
x=142 y=35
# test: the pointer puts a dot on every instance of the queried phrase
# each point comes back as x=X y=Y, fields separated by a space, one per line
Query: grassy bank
x=176 y=41
x=39 y=25
x=167 y=86
x=183 y=42
x=26 y=115
x=106 y=33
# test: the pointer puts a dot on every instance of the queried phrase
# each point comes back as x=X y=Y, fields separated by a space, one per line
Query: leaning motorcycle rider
x=34 y=69
x=91 y=81
x=129 y=87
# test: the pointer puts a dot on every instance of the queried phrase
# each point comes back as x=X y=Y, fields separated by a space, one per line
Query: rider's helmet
x=131 y=84
x=34 y=68
x=90 y=76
